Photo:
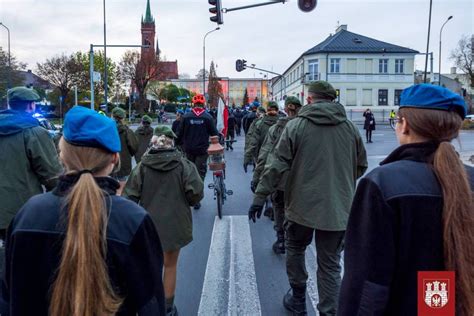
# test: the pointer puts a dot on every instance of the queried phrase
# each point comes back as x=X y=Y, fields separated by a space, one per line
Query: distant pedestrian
x=249 y=118
x=143 y=134
x=193 y=135
x=369 y=125
x=80 y=249
x=166 y=184
x=323 y=153
x=238 y=114
x=129 y=147
x=413 y=213
x=177 y=121
x=29 y=160
x=231 y=125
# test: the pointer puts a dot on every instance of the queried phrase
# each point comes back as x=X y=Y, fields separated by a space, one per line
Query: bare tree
x=63 y=72
x=462 y=57
x=140 y=70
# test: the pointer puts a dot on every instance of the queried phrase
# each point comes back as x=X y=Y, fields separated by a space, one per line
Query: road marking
x=230 y=291
x=311 y=267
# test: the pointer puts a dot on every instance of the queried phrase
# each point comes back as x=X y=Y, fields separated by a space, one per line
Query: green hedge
x=467 y=125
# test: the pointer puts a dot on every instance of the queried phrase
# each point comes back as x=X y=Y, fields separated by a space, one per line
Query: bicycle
x=217 y=165
x=392 y=123
x=220 y=191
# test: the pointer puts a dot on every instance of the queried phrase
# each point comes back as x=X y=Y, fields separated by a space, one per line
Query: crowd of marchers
x=105 y=238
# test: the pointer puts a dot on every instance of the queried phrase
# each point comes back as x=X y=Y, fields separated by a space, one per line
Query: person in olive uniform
x=292 y=107
x=129 y=147
x=258 y=134
x=248 y=136
x=143 y=135
x=324 y=155
x=166 y=184
x=29 y=159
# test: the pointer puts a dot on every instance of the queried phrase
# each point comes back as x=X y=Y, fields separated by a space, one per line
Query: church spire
x=148 y=17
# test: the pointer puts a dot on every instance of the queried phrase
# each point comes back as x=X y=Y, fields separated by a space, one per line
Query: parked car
x=52 y=129
x=470 y=117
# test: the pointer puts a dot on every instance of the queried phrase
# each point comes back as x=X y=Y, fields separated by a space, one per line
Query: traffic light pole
x=225 y=10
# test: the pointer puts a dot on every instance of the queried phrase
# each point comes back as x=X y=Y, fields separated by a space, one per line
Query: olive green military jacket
x=29 y=160
x=324 y=154
x=129 y=145
x=166 y=184
x=256 y=138
x=248 y=136
x=143 y=135
x=266 y=151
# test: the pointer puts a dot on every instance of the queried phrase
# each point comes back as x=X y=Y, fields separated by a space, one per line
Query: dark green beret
x=293 y=100
x=272 y=104
x=119 y=113
x=146 y=119
x=261 y=109
x=322 y=88
x=23 y=94
x=164 y=130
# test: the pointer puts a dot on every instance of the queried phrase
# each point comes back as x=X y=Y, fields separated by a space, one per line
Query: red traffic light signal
x=217 y=10
x=307 y=5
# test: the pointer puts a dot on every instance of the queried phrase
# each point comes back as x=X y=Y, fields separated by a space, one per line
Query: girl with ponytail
x=413 y=213
x=81 y=250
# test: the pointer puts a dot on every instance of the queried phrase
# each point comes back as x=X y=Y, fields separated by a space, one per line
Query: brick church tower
x=148 y=32
x=169 y=69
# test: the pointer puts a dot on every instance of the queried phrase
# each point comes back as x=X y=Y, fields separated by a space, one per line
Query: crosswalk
x=230 y=282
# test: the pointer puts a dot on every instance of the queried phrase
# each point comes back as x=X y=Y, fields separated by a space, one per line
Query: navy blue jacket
x=395 y=230
x=195 y=130
x=34 y=248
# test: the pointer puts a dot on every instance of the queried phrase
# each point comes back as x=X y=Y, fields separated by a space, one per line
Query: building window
x=383 y=66
x=313 y=69
x=398 y=93
x=335 y=65
x=399 y=66
x=383 y=97
x=351 y=97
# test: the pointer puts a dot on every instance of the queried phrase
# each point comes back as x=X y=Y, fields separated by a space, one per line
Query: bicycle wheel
x=219 y=194
x=392 y=124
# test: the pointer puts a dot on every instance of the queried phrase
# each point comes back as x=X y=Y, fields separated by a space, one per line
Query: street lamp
x=9 y=59
x=204 y=60
x=440 y=34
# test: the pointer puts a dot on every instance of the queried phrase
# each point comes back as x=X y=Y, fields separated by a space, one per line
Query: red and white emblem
x=436 y=292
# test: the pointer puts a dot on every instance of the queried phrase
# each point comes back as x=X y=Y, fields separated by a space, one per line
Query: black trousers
x=368 y=135
x=200 y=161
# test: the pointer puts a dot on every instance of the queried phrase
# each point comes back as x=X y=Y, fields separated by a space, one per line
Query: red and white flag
x=222 y=117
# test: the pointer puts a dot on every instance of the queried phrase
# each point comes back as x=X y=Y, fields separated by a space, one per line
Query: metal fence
x=356 y=115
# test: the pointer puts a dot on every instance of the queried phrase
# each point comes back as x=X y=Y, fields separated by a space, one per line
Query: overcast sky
x=272 y=37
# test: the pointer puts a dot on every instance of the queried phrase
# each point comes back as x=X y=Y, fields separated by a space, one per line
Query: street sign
x=96 y=76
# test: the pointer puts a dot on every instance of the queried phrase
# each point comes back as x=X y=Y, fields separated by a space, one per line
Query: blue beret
x=428 y=96
x=85 y=127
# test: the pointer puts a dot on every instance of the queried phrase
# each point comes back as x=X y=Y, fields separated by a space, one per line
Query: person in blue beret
x=413 y=213
x=81 y=249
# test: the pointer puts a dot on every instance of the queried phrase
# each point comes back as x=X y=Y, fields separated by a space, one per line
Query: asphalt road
x=229 y=268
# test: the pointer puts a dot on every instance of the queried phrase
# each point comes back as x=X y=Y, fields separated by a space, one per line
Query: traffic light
x=217 y=10
x=240 y=64
x=307 y=5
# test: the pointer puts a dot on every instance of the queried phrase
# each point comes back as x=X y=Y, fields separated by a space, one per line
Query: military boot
x=296 y=302
x=279 y=245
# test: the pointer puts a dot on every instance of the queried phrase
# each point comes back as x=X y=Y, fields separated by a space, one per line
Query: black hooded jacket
x=34 y=249
x=395 y=229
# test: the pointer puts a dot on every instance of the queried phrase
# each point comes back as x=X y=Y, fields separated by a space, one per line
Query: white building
x=364 y=71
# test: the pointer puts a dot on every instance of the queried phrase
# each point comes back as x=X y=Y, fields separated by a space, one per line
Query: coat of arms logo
x=436 y=292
